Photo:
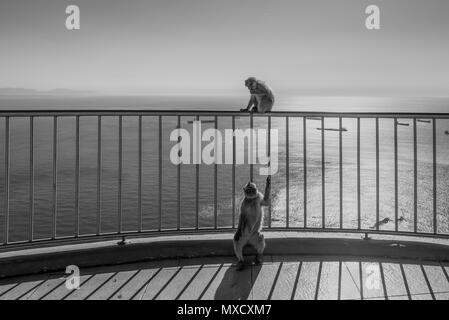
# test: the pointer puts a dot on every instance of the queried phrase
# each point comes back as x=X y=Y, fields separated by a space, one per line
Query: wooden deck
x=279 y=277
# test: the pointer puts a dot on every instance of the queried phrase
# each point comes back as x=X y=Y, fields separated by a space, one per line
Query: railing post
x=160 y=173
x=251 y=146
x=55 y=175
x=77 y=175
x=31 y=222
x=216 y=176
x=323 y=179
x=377 y=175
x=233 y=172
x=415 y=179
x=304 y=127
x=139 y=174
x=396 y=174
x=178 y=185
x=120 y=165
x=287 y=173
x=359 y=211
x=434 y=161
x=340 y=162
x=197 y=186
x=7 y=177
x=99 y=169
x=269 y=155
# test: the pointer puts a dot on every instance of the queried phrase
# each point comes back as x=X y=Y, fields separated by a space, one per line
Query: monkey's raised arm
x=266 y=201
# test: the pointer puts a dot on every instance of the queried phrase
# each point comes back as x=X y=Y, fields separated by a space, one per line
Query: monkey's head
x=251 y=83
x=250 y=190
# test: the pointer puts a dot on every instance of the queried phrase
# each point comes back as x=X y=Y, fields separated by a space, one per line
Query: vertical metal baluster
x=197 y=191
x=377 y=175
x=120 y=159
x=340 y=162
x=434 y=151
x=323 y=180
x=250 y=156
x=396 y=174
x=7 y=142
x=139 y=195
x=55 y=175
x=31 y=226
x=178 y=186
x=216 y=177
x=304 y=126
x=359 y=213
x=160 y=173
x=77 y=174
x=415 y=179
x=233 y=172
x=269 y=155
x=287 y=173
x=99 y=158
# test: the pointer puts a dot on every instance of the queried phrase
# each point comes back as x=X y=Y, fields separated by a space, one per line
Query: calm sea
x=20 y=174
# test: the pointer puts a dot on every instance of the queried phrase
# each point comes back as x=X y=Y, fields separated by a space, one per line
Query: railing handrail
x=137 y=112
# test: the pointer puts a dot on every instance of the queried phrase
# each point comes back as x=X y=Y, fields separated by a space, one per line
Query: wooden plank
x=350 y=281
x=158 y=283
x=23 y=289
x=307 y=281
x=7 y=287
x=372 y=287
x=283 y=287
x=179 y=283
x=394 y=282
x=438 y=282
x=419 y=289
x=230 y=284
x=114 y=284
x=328 y=289
x=61 y=291
x=200 y=283
x=138 y=281
x=90 y=286
x=45 y=288
x=263 y=278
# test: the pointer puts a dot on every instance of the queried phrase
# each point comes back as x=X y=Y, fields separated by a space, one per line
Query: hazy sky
x=211 y=46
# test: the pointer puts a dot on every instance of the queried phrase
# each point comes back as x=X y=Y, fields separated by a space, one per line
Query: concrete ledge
x=139 y=250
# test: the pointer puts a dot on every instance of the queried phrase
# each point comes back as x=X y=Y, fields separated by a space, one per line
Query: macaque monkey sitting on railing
x=262 y=98
x=251 y=221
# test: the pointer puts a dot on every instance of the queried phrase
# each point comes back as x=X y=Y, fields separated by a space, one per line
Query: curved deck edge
x=53 y=259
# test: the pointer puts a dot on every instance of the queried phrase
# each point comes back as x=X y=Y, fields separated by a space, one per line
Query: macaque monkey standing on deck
x=251 y=221
x=262 y=97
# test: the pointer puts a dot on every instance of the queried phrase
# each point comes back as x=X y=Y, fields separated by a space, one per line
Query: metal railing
x=161 y=115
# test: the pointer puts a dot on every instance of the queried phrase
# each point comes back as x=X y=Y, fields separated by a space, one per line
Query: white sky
x=211 y=46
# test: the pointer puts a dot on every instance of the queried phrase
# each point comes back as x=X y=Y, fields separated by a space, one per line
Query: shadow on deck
x=279 y=277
